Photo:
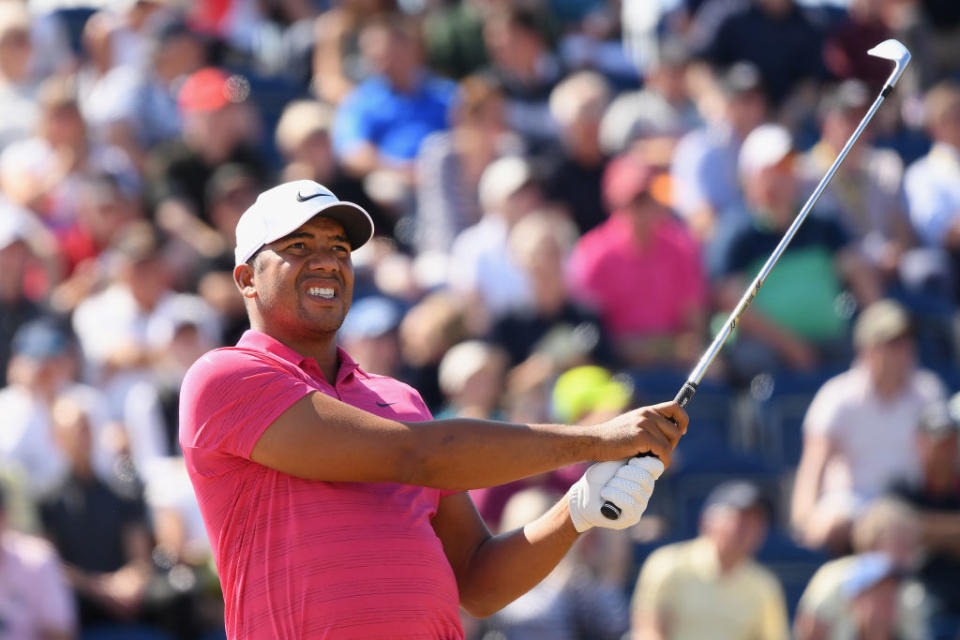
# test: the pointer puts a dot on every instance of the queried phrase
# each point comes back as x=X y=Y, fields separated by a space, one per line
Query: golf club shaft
x=689 y=388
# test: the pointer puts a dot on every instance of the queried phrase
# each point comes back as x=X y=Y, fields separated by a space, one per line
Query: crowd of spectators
x=569 y=196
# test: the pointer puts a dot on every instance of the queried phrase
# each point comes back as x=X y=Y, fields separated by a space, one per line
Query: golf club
x=888 y=49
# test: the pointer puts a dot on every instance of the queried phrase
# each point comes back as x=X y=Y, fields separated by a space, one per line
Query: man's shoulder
x=230 y=364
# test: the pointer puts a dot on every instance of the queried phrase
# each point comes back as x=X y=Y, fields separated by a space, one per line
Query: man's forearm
x=506 y=566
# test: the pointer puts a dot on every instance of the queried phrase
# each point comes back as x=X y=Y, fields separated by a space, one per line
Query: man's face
x=302 y=284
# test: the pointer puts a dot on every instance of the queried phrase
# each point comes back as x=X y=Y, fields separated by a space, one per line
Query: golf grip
x=611 y=511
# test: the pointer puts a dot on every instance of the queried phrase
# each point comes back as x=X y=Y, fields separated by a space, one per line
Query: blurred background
x=570 y=196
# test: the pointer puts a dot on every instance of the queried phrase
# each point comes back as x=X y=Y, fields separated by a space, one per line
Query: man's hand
x=655 y=429
x=627 y=483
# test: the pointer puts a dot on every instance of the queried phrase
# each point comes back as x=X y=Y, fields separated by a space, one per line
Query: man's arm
x=492 y=571
x=321 y=438
x=817 y=450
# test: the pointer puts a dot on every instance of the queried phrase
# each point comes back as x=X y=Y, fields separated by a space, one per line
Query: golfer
x=335 y=506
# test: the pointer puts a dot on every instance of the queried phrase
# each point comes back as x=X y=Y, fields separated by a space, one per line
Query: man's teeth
x=323 y=292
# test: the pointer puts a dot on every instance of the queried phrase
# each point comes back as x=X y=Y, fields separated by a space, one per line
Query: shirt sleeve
x=229 y=398
x=352 y=123
x=823 y=415
x=55 y=607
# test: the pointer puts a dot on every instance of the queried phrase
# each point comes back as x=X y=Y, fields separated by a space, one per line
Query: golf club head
x=895 y=51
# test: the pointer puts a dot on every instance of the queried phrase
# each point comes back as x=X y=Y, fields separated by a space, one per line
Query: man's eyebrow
x=293 y=235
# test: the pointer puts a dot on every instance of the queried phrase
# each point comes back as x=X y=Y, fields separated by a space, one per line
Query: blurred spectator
x=219 y=126
x=795 y=322
x=338 y=65
x=845 y=48
x=118 y=330
x=872 y=590
x=281 y=40
x=706 y=190
x=932 y=183
x=471 y=377
x=173 y=52
x=303 y=139
x=17 y=307
x=104 y=210
x=35 y=599
x=888 y=528
x=582 y=597
x=942 y=21
x=453 y=36
x=44 y=172
x=450 y=163
x=102 y=536
x=43 y=367
x=186 y=584
x=18 y=99
x=231 y=189
x=866 y=193
x=106 y=91
x=427 y=331
x=775 y=35
x=380 y=125
x=369 y=335
x=521 y=59
x=858 y=427
x=482 y=272
x=541 y=245
x=575 y=176
x=655 y=309
x=935 y=495
x=663 y=103
x=711 y=586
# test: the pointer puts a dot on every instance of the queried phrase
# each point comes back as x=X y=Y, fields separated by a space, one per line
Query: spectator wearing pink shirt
x=334 y=505
x=641 y=271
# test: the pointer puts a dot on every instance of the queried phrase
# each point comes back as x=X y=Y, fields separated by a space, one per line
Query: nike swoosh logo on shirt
x=385 y=404
x=303 y=198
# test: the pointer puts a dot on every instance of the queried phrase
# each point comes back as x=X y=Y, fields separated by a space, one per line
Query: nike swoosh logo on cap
x=303 y=198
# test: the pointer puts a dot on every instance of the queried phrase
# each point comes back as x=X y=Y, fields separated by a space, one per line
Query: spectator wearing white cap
x=887 y=529
x=481 y=269
x=859 y=428
x=704 y=163
x=471 y=377
x=795 y=322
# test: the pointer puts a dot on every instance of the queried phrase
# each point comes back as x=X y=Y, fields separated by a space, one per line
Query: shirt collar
x=259 y=341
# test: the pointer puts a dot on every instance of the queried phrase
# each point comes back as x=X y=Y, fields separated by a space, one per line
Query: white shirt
x=874 y=436
x=932 y=185
x=480 y=262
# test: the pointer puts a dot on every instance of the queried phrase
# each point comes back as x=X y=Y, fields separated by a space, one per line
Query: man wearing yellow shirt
x=711 y=587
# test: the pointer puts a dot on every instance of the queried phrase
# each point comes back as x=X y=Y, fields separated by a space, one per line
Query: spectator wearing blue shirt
x=382 y=122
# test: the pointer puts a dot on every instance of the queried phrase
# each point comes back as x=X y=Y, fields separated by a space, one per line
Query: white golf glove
x=626 y=483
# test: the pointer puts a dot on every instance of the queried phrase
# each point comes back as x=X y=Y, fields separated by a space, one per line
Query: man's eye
x=342 y=248
x=297 y=245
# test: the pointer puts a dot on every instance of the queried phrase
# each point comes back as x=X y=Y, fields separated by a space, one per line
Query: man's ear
x=243 y=278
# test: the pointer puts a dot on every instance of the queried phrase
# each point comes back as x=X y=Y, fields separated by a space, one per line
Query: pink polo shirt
x=300 y=558
x=639 y=291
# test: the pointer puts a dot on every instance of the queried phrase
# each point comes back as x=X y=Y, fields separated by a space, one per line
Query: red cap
x=626 y=177
x=209 y=89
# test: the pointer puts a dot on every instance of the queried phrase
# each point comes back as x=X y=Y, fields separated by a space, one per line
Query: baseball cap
x=626 y=177
x=502 y=178
x=880 y=322
x=210 y=88
x=40 y=339
x=764 y=147
x=740 y=495
x=867 y=570
x=741 y=77
x=283 y=208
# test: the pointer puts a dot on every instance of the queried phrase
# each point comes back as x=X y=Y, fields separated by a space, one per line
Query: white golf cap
x=282 y=209
x=765 y=147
